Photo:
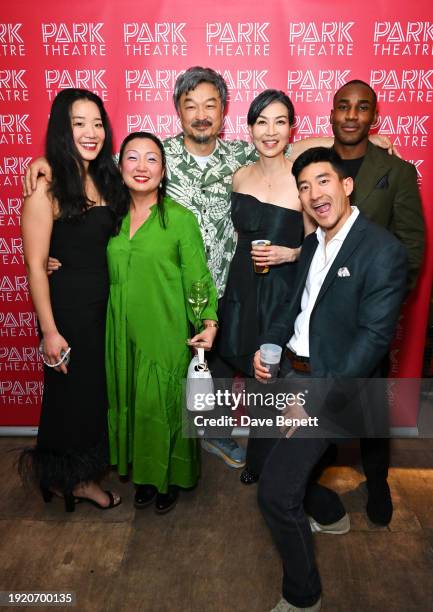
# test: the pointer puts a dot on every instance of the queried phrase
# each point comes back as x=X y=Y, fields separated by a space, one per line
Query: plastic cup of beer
x=260 y=268
x=270 y=356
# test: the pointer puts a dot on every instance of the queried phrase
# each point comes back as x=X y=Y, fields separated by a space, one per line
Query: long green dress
x=146 y=355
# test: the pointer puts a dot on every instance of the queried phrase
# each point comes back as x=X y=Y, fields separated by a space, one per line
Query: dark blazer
x=386 y=192
x=354 y=317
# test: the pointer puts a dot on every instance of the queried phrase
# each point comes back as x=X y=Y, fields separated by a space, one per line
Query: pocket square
x=382 y=183
x=343 y=272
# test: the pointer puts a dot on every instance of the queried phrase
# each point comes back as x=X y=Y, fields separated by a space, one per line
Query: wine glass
x=198 y=298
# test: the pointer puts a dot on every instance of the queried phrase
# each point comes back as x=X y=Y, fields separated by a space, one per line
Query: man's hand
x=384 y=143
x=261 y=372
x=39 y=166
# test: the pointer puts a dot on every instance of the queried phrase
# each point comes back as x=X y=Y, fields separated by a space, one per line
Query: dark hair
x=357 y=82
x=195 y=75
x=162 y=188
x=316 y=155
x=268 y=97
x=67 y=185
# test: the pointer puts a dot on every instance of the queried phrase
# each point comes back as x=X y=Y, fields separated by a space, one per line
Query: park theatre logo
x=150 y=85
x=319 y=39
x=75 y=39
x=152 y=39
x=404 y=85
x=13 y=87
x=315 y=85
x=403 y=38
x=228 y=39
x=82 y=78
x=14 y=129
x=11 y=41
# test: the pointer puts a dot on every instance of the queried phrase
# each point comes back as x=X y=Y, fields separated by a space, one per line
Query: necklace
x=276 y=176
x=265 y=179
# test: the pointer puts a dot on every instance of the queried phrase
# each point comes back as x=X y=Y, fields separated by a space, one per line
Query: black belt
x=298 y=363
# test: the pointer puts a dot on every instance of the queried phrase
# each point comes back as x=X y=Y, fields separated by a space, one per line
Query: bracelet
x=64 y=357
x=211 y=324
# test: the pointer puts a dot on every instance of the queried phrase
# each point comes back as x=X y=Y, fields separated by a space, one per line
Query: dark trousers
x=375 y=458
x=283 y=487
x=375 y=451
x=287 y=492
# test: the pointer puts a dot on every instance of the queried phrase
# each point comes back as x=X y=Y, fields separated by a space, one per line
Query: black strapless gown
x=252 y=300
x=72 y=444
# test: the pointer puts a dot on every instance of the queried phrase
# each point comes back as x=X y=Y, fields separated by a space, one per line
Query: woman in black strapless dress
x=72 y=219
x=252 y=300
x=265 y=205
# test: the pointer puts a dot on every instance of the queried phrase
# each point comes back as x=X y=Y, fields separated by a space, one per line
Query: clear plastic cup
x=260 y=269
x=270 y=356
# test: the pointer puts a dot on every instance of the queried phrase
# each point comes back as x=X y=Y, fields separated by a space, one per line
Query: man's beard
x=201 y=138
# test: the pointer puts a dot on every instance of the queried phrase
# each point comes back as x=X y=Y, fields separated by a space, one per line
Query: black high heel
x=47 y=494
x=68 y=498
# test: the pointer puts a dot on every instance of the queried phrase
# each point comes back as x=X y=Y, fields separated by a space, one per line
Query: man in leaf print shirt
x=201 y=165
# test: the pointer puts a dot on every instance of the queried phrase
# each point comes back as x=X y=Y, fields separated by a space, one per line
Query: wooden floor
x=213 y=553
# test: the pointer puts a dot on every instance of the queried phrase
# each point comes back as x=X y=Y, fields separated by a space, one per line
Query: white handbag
x=199 y=385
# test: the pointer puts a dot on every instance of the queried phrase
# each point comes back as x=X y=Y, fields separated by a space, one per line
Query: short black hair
x=316 y=155
x=357 y=82
x=191 y=78
x=268 y=97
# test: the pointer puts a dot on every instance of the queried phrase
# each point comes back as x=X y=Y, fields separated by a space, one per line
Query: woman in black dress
x=72 y=218
x=265 y=205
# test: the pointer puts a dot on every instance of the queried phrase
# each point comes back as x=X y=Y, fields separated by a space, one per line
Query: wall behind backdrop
x=130 y=54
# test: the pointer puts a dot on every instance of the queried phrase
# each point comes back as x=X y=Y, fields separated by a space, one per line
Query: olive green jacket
x=386 y=192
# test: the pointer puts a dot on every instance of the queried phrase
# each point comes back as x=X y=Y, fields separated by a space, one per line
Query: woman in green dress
x=153 y=261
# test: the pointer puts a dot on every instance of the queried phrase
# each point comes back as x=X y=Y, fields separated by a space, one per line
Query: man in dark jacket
x=351 y=282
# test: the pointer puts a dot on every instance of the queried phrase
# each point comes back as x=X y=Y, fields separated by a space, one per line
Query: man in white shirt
x=351 y=283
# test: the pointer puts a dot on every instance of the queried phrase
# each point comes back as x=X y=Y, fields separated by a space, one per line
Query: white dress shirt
x=322 y=260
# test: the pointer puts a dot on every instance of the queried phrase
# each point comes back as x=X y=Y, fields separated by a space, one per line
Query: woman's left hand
x=274 y=255
x=204 y=339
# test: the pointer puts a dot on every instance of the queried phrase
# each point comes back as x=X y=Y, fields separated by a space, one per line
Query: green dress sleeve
x=194 y=266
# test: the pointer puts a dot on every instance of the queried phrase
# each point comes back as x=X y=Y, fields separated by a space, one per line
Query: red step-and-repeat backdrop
x=130 y=54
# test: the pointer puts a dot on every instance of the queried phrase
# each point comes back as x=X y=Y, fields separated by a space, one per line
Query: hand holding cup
x=259 y=255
